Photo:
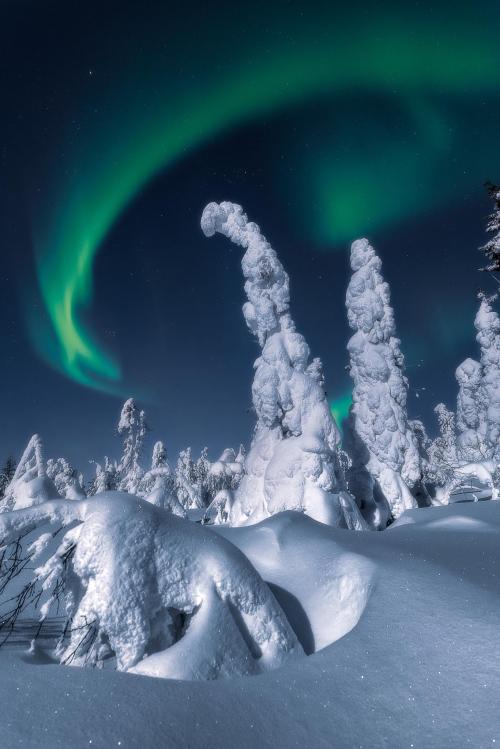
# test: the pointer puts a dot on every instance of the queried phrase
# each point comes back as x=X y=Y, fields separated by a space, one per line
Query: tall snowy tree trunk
x=386 y=462
x=292 y=461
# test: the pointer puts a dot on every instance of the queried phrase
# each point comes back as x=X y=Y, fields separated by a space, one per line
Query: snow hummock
x=165 y=596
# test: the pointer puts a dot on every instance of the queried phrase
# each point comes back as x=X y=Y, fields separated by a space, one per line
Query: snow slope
x=417 y=667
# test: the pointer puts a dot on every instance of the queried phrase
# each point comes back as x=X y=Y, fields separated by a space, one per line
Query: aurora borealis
x=365 y=118
x=110 y=162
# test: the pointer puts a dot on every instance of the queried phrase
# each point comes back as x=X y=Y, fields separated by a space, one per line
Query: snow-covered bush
x=384 y=451
x=292 y=460
x=132 y=425
x=30 y=484
x=163 y=596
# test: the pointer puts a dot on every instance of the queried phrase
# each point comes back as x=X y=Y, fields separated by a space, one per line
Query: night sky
x=326 y=121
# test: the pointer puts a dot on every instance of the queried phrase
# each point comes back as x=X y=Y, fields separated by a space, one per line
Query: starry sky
x=326 y=121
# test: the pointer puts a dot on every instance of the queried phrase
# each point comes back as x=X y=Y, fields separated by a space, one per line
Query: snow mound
x=323 y=601
x=166 y=597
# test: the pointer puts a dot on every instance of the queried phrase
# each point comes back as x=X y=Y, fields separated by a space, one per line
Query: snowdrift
x=416 y=666
x=162 y=595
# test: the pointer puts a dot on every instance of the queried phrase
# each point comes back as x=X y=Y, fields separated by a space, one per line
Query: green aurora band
x=151 y=121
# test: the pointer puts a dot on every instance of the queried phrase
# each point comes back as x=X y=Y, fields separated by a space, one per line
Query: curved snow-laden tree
x=163 y=596
x=292 y=462
x=487 y=324
x=385 y=454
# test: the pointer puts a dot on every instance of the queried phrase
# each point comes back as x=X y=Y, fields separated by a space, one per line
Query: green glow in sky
x=340 y=407
x=155 y=117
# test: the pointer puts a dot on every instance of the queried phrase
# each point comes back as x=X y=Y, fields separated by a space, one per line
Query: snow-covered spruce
x=487 y=324
x=384 y=451
x=158 y=486
x=132 y=425
x=292 y=461
x=492 y=247
x=166 y=597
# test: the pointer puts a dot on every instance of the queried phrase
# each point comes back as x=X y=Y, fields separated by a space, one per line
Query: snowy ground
x=417 y=664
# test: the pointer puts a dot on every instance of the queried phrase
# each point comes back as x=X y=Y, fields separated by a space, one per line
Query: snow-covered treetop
x=267 y=284
x=159 y=457
x=368 y=295
x=129 y=416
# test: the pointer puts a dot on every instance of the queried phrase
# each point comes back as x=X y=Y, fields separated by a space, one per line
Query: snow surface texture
x=418 y=668
x=166 y=596
x=292 y=463
x=386 y=462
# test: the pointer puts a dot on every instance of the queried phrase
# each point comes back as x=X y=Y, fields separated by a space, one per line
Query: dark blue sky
x=167 y=302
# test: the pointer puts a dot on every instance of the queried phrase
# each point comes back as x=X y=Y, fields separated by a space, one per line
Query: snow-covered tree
x=202 y=469
x=68 y=481
x=132 y=425
x=6 y=475
x=421 y=490
x=492 y=247
x=158 y=484
x=471 y=412
x=30 y=484
x=487 y=324
x=187 y=487
x=223 y=479
x=292 y=460
x=105 y=479
x=384 y=451
x=443 y=452
x=449 y=471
